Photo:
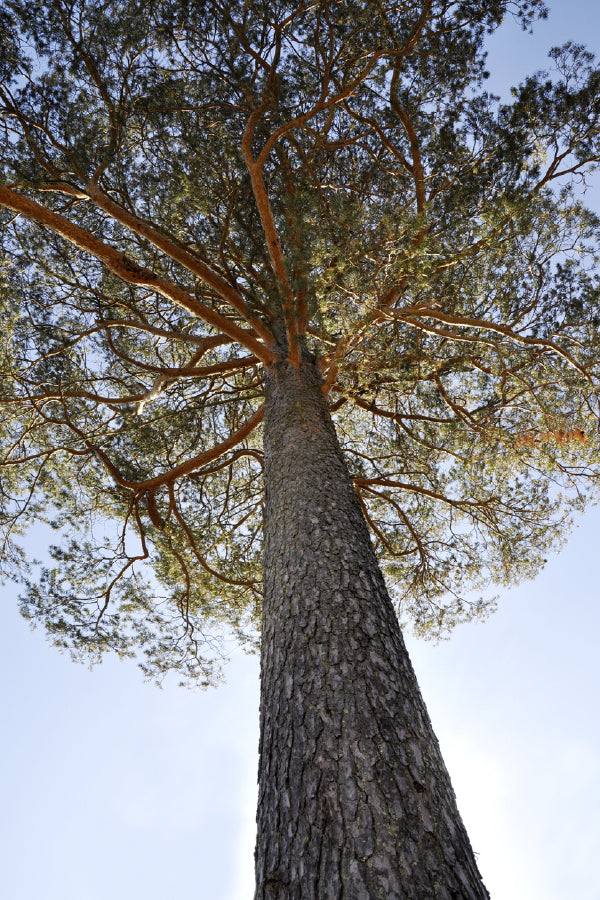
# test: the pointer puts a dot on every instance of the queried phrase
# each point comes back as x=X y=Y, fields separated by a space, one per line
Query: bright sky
x=112 y=788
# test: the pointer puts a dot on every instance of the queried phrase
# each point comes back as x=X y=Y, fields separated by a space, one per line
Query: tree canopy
x=181 y=185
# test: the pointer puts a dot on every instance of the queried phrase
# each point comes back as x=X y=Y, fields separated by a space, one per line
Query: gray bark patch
x=354 y=798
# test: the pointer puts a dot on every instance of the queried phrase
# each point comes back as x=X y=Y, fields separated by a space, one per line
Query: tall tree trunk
x=355 y=802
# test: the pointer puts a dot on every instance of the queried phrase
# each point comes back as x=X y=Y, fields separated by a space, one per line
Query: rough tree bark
x=355 y=802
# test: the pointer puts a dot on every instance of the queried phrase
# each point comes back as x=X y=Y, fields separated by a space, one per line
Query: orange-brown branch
x=484 y=325
x=186 y=468
x=128 y=270
x=273 y=242
x=180 y=255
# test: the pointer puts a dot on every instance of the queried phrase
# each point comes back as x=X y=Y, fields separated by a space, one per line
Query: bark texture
x=355 y=802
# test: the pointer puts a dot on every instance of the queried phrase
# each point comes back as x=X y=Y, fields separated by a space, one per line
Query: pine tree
x=288 y=297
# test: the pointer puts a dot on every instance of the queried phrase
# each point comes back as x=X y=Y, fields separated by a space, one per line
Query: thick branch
x=185 y=468
x=180 y=255
x=274 y=247
x=128 y=270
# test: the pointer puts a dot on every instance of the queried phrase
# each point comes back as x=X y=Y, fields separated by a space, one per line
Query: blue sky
x=111 y=787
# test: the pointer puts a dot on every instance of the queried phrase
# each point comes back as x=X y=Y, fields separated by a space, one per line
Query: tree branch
x=128 y=270
x=180 y=255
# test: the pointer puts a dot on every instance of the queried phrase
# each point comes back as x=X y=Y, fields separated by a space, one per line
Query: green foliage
x=337 y=166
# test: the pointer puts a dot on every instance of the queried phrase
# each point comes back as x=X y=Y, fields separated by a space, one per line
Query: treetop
x=190 y=191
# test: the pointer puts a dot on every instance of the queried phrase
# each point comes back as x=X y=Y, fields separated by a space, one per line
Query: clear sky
x=110 y=787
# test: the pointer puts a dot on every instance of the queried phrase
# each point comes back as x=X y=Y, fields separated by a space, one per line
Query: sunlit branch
x=247 y=451
x=180 y=255
x=485 y=325
x=169 y=376
x=324 y=102
x=371 y=407
x=206 y=342
x=417 y=489
x=186 y=468
x=378 y=532
x=201 y=559
x=272 y=239
x=417 y=164
x=459 y=411
x=192 y=370
x=128 y=270
x=413 y=532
